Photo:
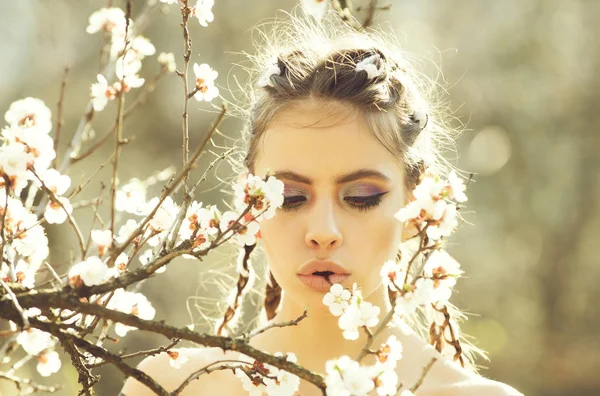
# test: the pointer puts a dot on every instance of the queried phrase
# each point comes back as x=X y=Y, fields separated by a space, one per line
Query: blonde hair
x=402 y=107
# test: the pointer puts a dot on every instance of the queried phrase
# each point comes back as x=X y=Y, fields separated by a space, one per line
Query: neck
x=318 y=338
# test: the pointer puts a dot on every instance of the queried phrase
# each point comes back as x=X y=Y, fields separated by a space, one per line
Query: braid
x=272 y=297
x=243 y=280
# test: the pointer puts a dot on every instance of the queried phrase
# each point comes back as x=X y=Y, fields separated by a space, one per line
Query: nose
x=322 y=229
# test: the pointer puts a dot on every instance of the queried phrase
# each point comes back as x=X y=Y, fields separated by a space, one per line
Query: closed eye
x=360 y=203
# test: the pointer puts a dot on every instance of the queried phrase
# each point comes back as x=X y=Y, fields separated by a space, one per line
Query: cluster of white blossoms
x=128 y=61
x=432 y=206
x=26 y=150
x=353 y=311
x=260 y=378
x=347 y=377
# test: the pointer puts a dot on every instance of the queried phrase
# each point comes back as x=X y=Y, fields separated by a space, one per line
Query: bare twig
x=149 y=352
x=272 y=325
x=20 y=382
x=426 y=369
x=59 y=120
x=119 y=137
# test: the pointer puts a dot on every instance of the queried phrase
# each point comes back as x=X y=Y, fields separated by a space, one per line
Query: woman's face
x=322 y=219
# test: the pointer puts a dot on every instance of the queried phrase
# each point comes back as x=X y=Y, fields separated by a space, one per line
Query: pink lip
x=319 y=283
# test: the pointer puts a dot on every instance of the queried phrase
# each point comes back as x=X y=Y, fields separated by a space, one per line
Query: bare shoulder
x=444 y=377
x=160 y=369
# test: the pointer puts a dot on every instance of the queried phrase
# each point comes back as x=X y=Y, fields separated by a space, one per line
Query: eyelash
x=366 y=203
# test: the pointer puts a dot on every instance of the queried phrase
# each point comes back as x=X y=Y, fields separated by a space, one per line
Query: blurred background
x=522 y=75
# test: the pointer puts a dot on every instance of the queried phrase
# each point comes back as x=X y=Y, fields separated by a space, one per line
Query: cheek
x=382 y=239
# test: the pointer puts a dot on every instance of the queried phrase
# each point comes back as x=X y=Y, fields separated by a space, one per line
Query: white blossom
x=346 y=377
x=34 y=340
x=387 y=383
x=203 y=11
x=169 y=1
x=168 y=61
x=30 y=113
x=165 y=214
x=103 y=239
x=93 y=271
x=271 y=69
x=210 y=219
x=14 y=160
x=251 y=188
x=337 y=299
x=131 y=197
x=58 y=212
x=368 y=65
x=106 y=19
x=101 y=93
x=126 y=230
x=131 y=303
x=177 y=358
x=205 y=82
x=456 y=187
x=39 y=145
x=356 y=316
x=57 y=183
x=126 y=69
x=142 y=47
x=48 y=363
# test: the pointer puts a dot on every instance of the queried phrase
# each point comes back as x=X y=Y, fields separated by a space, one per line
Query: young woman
x=344 y=122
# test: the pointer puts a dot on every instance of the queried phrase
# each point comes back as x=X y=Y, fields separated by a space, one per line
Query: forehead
x=323 y=141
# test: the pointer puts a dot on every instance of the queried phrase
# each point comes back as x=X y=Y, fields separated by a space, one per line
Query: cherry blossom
x=34 y=340
x=58 y=210
x=101 y=93
x=167 y=60
x=392 y=275
x=337 y=299
x=131 y=303
x=106 y=19
x=57 y=183
x=346 y=377
x=251 y=188
x=39 y=145
x=356 y=316
x=164 y=216
x=14 y=160
x=203 y=11
x=103 y=239
x=210 y=219
x=126 y=69
x=142 y=47
x=205 y=82
x=177 y=359
x=48 y=363
x=93 y=271
x=456 y=187
x=126 y=230
x=30 y=113
x=131 y=197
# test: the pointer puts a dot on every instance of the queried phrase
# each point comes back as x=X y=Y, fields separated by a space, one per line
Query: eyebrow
x=356 y=175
